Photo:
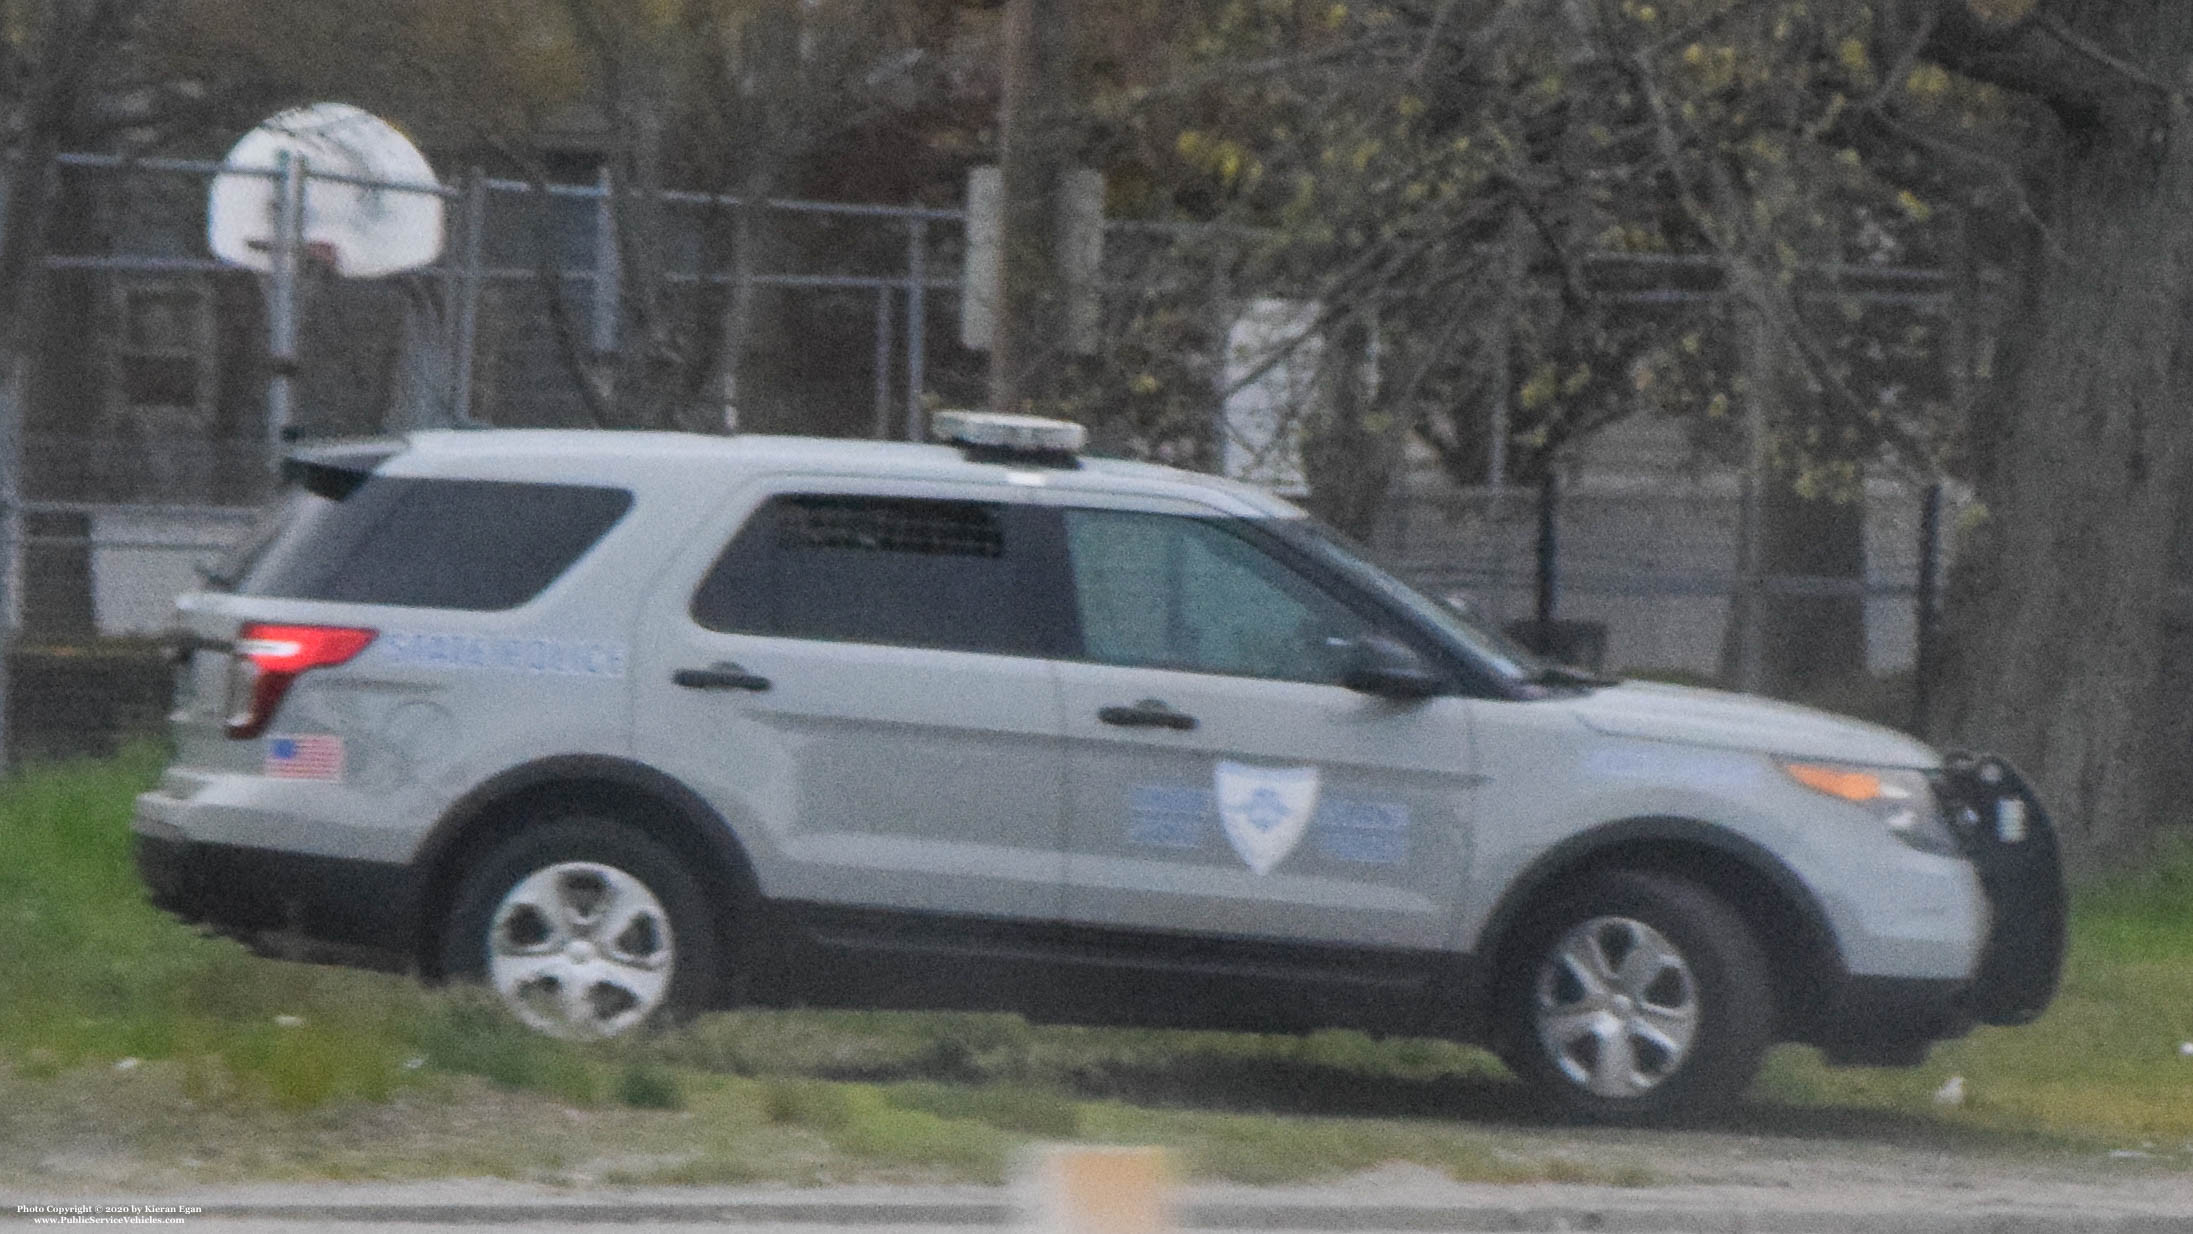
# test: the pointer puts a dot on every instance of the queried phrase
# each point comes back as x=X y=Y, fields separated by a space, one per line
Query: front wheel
x=584 y=928
x=1637 y=997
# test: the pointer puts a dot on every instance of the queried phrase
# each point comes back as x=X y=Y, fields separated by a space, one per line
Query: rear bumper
x=295 y=905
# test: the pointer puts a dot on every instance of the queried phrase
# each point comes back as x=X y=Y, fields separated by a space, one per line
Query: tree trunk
x=23 y=227
x=1027 y=353
x=1781 y=641
x=1811 y=642
x=1349 y=457
x=2058 y=606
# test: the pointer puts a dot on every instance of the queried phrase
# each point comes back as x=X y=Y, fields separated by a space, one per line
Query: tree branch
x=1749 y=282
x=2032 y=59
x=1901 y=69
x=560 y=318
x=1270 y=66
x=2101 y=55
x=2008 y=175
x=1431 y=38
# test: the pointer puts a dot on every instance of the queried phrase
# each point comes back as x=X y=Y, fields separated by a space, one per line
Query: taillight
x=267 y=658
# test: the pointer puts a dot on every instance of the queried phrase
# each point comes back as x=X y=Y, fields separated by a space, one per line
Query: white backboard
x=369 y=230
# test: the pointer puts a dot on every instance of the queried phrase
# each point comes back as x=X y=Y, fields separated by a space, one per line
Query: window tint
x=463 y=544
x=1161 y=591
x=913 y=572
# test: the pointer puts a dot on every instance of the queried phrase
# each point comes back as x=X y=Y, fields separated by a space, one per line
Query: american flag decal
x=304 y=758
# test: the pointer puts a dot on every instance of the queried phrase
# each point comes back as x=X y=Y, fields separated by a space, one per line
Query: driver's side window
x=1165 y=591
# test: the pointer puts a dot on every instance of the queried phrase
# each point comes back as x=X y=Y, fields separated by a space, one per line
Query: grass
x=2108 y=1062
x=132 y=1046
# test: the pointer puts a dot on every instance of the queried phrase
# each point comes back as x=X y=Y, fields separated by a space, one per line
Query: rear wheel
x=585 y=928
x=1636 y=997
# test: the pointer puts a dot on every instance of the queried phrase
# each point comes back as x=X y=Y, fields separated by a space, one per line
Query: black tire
x=1597 y=1051
x=668 y=951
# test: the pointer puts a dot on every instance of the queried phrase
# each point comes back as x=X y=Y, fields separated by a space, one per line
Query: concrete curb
x=1746 y=1216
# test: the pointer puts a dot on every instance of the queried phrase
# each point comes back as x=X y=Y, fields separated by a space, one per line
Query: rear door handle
x=722 y=675
x=1149 y=713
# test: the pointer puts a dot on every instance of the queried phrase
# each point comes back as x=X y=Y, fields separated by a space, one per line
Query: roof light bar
x=994 y=430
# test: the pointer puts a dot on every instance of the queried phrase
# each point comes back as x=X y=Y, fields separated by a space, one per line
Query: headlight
x=1899 y=797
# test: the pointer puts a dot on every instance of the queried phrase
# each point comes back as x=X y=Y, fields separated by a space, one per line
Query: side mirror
x=1389 y=669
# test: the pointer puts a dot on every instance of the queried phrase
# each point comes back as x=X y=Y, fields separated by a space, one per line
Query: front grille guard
x=2000 y=824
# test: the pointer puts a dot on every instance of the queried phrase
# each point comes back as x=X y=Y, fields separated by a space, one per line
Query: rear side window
x=480 y=545
x=909 y=572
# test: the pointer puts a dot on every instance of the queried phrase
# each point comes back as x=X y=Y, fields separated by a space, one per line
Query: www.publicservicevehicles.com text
x=107 y=1214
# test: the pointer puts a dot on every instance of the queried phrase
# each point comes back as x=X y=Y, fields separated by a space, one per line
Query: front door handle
x=1149 y=713
x=722 y=675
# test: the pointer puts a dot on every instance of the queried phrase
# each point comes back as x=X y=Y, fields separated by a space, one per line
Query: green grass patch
x=101 y=977
x=466 y=1032
x=1043 y=1114
x=863 y=1121
x=2105 y=1065
x=649 y=1086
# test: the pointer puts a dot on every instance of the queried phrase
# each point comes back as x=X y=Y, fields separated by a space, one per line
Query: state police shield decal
x=1265 y=810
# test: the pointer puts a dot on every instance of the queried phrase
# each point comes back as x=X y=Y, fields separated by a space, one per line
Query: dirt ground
x=133 y=1133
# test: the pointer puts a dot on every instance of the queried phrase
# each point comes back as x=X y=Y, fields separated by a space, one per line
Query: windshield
x=1493 y=649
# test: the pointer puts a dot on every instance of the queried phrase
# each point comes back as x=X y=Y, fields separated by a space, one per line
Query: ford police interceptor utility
x=626 y=725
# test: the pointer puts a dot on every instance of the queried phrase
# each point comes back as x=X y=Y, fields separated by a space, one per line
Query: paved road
x=1405 y=1202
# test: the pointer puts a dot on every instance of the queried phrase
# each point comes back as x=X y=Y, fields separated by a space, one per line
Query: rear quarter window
x=478 y=545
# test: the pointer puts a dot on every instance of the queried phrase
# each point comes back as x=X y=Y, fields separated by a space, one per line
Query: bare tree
x=707 y=109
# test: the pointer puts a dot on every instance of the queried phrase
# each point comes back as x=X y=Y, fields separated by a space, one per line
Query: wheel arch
x=1791 y=925
x=668 y=811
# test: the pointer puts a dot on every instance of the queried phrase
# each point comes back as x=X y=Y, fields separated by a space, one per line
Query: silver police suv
x=626 y=725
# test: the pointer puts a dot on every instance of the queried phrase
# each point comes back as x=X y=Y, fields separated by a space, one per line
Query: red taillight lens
x=268 y=658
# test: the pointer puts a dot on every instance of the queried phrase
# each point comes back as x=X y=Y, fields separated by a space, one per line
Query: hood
x=1657 y=712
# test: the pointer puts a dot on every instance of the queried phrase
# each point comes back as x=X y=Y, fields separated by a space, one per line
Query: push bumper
x=2013 y=846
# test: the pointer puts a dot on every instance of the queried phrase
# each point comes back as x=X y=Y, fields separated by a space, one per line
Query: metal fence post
x=1748 y=605
x=1502 y=359
x=1549 y=555
x=608 y=268
x=467 y=297
x=282 y=303
x=1929 y=615
x=917 y=319
x=883 y=364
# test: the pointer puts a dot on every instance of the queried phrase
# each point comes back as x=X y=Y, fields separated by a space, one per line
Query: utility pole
x=1035 y=154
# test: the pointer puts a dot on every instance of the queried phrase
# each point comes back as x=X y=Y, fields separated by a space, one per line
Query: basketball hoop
x=347 y=196
x=321 y=255
x=370 y=205
x=313 y=255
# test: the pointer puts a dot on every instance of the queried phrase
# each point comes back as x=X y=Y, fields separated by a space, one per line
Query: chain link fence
x=145 y=442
